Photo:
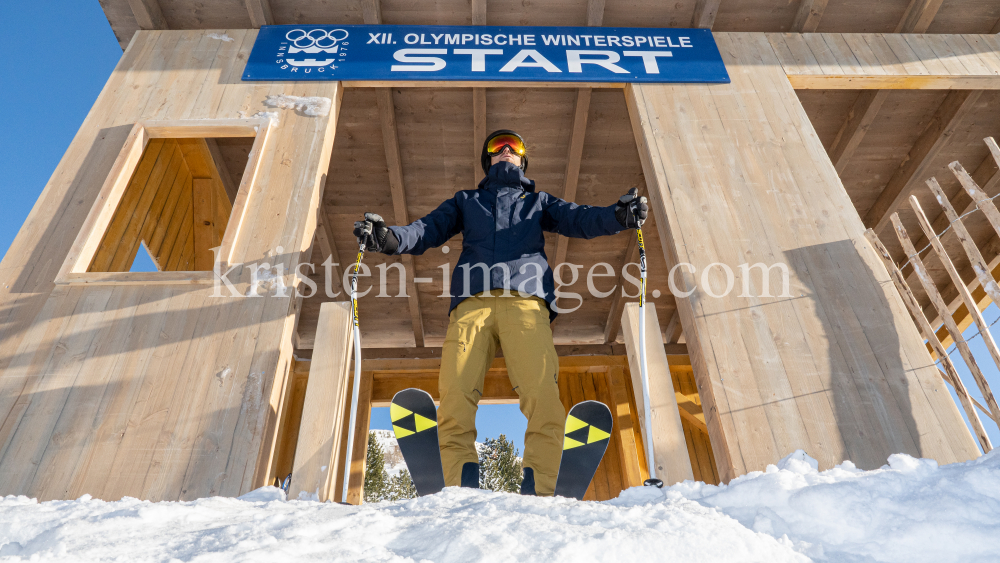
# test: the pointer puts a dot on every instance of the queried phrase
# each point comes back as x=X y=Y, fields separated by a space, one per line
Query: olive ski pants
x=520 y=325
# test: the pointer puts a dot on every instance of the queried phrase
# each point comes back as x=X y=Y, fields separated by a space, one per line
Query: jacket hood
x=506 y=174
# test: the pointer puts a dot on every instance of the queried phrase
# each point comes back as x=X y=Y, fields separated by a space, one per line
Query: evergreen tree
x=379 y=485
x=376 y=479
x=499 y=466
x=401 y=486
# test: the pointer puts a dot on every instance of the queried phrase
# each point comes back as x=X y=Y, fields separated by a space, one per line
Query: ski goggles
x=496 y=144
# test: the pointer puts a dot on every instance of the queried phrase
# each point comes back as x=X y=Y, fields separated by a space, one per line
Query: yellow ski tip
x=573 y=423
x=397 y=412
x=400 y=432
x=570 y=443
x=596 y=435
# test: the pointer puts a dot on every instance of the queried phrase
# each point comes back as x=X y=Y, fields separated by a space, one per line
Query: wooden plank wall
x=160 y=392
x=737 y=174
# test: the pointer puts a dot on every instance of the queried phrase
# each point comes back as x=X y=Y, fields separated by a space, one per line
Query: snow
x=269 y=115
x=221 y=37
x=313 y=106
x=911 y=510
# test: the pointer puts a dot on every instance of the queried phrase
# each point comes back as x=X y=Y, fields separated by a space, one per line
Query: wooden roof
x=839 y=16
x=401 y=152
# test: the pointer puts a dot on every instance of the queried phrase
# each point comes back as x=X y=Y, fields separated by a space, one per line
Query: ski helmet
x=486 y=155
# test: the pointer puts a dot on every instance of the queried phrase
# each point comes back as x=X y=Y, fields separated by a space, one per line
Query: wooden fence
x=984 y=204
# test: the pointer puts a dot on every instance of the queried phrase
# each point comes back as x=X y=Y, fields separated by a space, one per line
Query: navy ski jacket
x=503 y=224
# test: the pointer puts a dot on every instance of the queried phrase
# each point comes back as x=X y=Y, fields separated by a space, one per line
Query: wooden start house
x=806 y=212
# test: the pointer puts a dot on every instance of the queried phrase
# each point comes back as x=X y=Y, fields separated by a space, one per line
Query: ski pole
x=357 y=365
x=648 y=416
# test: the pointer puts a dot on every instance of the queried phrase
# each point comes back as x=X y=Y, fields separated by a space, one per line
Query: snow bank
x=910 y=510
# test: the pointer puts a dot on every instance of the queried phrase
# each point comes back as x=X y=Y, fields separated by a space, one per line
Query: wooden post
x=983 y=201
x=975 y=257
x=950 y=373
x=673 y=464
x=355 y=491
x=942 y=309
x=317 y=455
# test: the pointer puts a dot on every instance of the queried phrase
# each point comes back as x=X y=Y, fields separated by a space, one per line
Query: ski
x=588 y=429
x=414 y=422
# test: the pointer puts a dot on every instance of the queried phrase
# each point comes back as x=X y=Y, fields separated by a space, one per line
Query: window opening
x=176 y=206
x=143 y=261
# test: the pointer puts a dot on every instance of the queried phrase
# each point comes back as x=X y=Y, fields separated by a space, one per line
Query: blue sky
x=58 y=55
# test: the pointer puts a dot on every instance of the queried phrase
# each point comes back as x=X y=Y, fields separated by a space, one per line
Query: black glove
x=631 y=211
x=376 y=237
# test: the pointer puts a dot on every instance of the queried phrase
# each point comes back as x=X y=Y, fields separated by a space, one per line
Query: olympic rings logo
x=320 y=38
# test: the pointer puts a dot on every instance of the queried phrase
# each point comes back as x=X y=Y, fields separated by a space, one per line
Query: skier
x=503 y=292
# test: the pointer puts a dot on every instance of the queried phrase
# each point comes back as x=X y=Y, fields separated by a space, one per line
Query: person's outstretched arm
x=585 y=221
x=430 y=231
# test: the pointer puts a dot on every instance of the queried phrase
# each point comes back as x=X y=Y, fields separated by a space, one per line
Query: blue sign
x=482 y=53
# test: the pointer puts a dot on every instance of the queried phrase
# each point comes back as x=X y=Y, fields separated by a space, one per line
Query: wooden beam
x=613 y=323
x=670 y=453
x=260 y=12
x=704 y=13
x=859 y=119
x=996 y=27
x=478 y=12
x=808 y=17
x=918 y=16
x=595 y=13
x=572 y=176
x=317 y=454
x=676 y=352
x=496 y=387
x=390 y=140
x=674 y=328
x=478 y=104
x=371 y=11
x=148 y=14
x=913 y=170
x=327 y=247
x=478 y=132
x=691 y=413
x=220 y=167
